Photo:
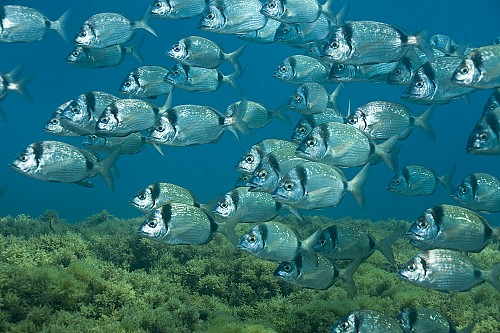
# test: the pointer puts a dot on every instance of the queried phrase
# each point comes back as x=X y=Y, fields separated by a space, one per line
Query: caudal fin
x=59 y=25
x=347 y=273
x=144 y=24
x=493 y=277
x=423 y=122
x=355 y=185
x=445 y=179
x=235 y=122
x=233 y=58
x=135 y=51
x=385 y=151
x=384 y=246
x=106 y=167
x=232 y=80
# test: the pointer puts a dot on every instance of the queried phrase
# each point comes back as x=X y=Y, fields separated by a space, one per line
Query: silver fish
x=366 y=321
x=345 y=146
x=275 y=241
x=178 y=9
x=20 y=24
x=108 y=56
x=146 y=81
x=307 y=123
x=447 y=270
x=479 y=191
x=81 y=114
x=452 y=227
x=297 y=11
x=403 y=73
x=479 y=69
x=177 y=223
x=493 y=101
x=202 y=52
x=186 y=125
x=125 y=116
x=431 y=82
x=370 y=42
x=256 y=153
x=425 y=320
x=256 y=115
x=341 y=242
x=264 y=35
x=306 y=273
x=131 y=144
x=232 y=17
x=312 y=98
x=303 y=34
x=106 y=29
x=300 y=69
x=54 y=125
x=156 y=195
x=315 y=185
x=272 y=167
x=419 y=180
x=361 y=73
x=193 y=78
x=485 y=137
x=383 y=119
x=8 y=82
x=55 y=161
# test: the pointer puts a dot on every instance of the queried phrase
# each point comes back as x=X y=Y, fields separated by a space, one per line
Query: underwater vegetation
x=98 y=275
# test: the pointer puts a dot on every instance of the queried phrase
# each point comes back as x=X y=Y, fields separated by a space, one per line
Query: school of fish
x=303 y=173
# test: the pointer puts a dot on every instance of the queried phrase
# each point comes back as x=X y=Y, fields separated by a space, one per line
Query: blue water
x=208 y=170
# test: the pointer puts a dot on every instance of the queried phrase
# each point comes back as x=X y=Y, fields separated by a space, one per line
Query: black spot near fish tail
x=477 y=274
x=221 y=121
x=166 y=213
x=155 y=192
x=89 y=164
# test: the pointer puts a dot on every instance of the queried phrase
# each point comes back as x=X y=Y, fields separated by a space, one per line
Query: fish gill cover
x=96 y=274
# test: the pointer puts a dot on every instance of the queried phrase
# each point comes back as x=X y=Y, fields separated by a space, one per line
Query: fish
x=403 y=73
x=195 y=79
x=8 y=82
x=232 y=17
x=131 y=144
x=256 y=115
x=178 y=9
x=303 y=34
x=426 y=320
x=419 y=180
x=384 y=119
x=264 y=35
x=126 y=116
x=21 y=24
x=297 y=11
x=312 y=98
x=54 y=125
x=105 y=29
x=341 y=242
x=158 y=194
x=275 y=241
x=493 y=101
x=251 y=159
x=202 y=52
x=485 y=137
x=480 y=69
x=370 y=42
x=146 y=82
x=366 y=321
x=306 y=273
x=108 y=56
x=479 y=191
x=343 y=145
x=300 y=69
x=187 y=125
x=56 y=161
x=431 y=83
x=447 y=270
x=178 y=223
x=452 y=227
x=361 y=73
x=80 y=115
x=307 y=122
x=272 y=167
x=315 y=185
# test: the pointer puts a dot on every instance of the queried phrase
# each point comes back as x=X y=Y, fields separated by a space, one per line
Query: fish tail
x=106 y=168
x=20 y=88
x=280 y=113
x=235 y=122
x=59 y=25
x=445 y=179
x=328 y=9
x=468 y=328
x=386 y=152
x=135 y=51
x=334 y=97
x=227 y=229
x=355 y=185
x=384 y=246
x=233 y=58
x=232 y=80
x=423 y=122
x=347 y=273
x=144 y=24
x=422 y=43
x=493 y=277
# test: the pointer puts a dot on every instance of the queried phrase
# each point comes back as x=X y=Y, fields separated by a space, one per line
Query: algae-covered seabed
x=100 y=276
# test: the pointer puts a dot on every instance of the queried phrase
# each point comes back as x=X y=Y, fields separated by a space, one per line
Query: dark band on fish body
x=38 y=151
x=298 y=263
x=301 y=174
x=155 y=192
x=438 y=215
x=357 y=323
x=429 y=71
x=273 y=162
x=222 y=120
x=172 y=118
x=213 y=225
x=90 y=101
x=477 y=59
x=347 y=32
x=264 y=233
x=494 y=123
x=113 y=110
x=333 y=233
x=412 y=317
x=235 y=196
x=371 y=242
x=166 y=212
x=406 y=174
x=402 y=36
x=473 y=184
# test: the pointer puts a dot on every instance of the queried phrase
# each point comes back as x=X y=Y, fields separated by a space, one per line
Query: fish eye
x=351 y=120
x=223 y=204
x=483 y=136
x=422 y=223
x=283 y=69
x=105 y=120
x=287 y=268
x=75 y=110
x=322 y=242
x=401 y=321
x=345 y=325
x=23 y=158
x=245 y=178
x=127 y=83
x=176 y=48
x=251 y=238
x=311 y=143
x=419 y=84
x=142 y=196
x=152 y=224
x=75 y=53
x=288 y=186
x=93 y=137
x=82 y=34
x=464 y=70
x=301 y=130
x=398 y=71
x=54 y=121
x=463 y=189
x=298 y=99
x=157 y=4
x=335 y=44
x=249 y=158
x=412 y=267
x=160 y=128
x=340 y=66
x=176 y=72
x=210 y=16
x=271 y=5
x=262 y=174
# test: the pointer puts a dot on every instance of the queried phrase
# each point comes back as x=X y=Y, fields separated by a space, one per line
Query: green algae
x=100 y=276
